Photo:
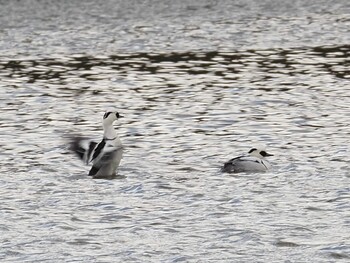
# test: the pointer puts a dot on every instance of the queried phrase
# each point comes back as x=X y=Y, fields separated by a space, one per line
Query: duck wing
x=105 y=157
x=83 y=148
x=240 y=164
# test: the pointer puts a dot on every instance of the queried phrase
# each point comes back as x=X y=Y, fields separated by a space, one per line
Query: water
x=198 y=83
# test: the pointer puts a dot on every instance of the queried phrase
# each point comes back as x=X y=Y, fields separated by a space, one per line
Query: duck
x=104 y=156
x=253 y=162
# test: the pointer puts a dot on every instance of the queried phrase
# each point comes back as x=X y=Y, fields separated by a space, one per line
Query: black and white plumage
x=106 y=155
x=253 y=162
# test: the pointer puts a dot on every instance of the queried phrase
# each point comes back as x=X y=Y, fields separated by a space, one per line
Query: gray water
x=199 y=82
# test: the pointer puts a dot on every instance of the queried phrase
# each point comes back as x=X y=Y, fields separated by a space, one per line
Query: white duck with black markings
x=106 y=155
x=253 y=162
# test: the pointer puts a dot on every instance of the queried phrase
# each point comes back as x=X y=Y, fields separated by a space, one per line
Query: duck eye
x=263 y=153
x=117 y=114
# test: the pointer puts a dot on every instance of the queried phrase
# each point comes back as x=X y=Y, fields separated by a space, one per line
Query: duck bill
x=269 y=154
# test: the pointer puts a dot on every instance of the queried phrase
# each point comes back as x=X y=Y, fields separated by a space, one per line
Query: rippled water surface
x=198 y=82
